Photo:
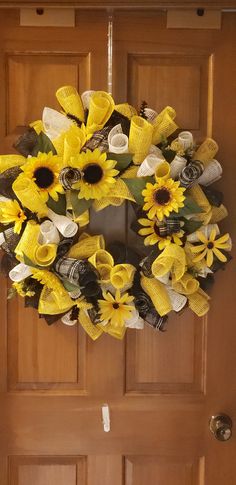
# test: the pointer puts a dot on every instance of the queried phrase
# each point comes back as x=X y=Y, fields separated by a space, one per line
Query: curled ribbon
x=158 y=294
x=173 y=259
x=187 y=285
x=86 y=246
x=39 y=254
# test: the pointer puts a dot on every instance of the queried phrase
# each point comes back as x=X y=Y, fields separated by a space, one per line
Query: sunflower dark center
x=210 y=245
x=115 y=306
x=44 y=177
x=162 y=196
x=92 y=173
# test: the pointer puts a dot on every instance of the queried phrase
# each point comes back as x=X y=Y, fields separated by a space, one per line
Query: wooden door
x=161 y=388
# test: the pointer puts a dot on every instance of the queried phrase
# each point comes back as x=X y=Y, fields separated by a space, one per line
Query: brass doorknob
x=221 y=427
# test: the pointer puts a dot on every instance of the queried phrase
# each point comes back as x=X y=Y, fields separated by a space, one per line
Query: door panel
x=161 y=388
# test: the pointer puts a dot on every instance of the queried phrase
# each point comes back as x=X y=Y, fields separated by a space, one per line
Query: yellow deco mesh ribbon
x=173 y=259
x=54 y=299
x=101 y=107
x=101 y=256
x=39 y=254
x=126 y=110
x=82 y=220
x=26 y=191
x=122 y=275
x=140 y=138
x=218 y=214
x=37 y=126
x=117 y=194
x=86 y=246
x=164 y=125
x=187 y=285
x=199 y=302
x=206 y=152
x=158 y=294
x=70 y=101
x=10 y=161
x=117 y=331
x=69 y=143
x=94 y=331
x=130 y=173
x=199 y=197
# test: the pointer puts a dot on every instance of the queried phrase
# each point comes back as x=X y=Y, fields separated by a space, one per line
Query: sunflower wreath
x=96 y=154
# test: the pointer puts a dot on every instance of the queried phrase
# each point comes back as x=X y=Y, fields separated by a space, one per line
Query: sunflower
x=44 y=171
x=152 y=231
x=97 y=174
x=116 y=309
x=162 y=198
x=11 y=212
x=211 y=247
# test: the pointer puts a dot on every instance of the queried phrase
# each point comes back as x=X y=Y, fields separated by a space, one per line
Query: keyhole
x=200 y=12
x=39 y=11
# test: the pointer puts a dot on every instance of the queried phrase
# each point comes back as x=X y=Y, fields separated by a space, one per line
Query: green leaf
x=191 y=226
x=123 y=159
x=136 y=186
x=29 y=262
x=79 y=206
x=190 y=207
x=43 y=145
x=69 y=286
x=58 y=206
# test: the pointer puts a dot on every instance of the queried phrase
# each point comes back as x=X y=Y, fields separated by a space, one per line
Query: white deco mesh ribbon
x=212 y=173
x=186 y=139
x=67 y=321
x=118 y=142
x=206 y=230
x=177 y=166
x=49 y=233
x=155 y=150
x=164 y=279
x=135 y=321
x=54 y=123
x=177 y=300
x=149 y=165
x=20 y=272
x=2 y=238
x=86 y=96
x=65 y=226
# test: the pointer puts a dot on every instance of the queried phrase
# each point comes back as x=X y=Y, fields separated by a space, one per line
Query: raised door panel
x=154 y=470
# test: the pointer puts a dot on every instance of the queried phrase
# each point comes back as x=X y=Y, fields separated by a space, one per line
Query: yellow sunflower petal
x=219 y=255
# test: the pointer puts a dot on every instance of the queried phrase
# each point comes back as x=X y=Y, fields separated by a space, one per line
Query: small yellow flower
x=116 y=309
x=82 y=304
x=211 y=247
x=177 y=147
x=162 y=198
x=152 y=233
x=11 y=211
x=44 y=171
x=97 y=174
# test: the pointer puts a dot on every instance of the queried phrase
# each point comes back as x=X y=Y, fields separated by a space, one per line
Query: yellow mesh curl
x=199 y=303
x=26 y=191
x=171 y=259
x=164 y=125
x=86 y=247
x=140 y=138
x=41 y=255
x=186 y=285
x=207 y=151
x=158 y=294
x=122 y=275
x=218 y=214
x=101 y=107
x=70 y=101
x=126 y=110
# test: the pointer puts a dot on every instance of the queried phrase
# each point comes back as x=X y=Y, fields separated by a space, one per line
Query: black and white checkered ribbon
x=76 y=271
x=68 y=176
x=191 y=173
x=98 y=140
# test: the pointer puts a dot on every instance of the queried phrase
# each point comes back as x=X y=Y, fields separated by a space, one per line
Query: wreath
x=91 y=155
